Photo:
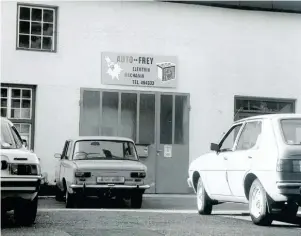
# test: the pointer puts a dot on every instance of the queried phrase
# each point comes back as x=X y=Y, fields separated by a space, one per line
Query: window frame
x=241 y=132
x=55 y=27
x=31 y=121
x=242 y=124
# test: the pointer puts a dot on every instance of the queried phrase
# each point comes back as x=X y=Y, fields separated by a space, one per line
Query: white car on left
x=20 y=176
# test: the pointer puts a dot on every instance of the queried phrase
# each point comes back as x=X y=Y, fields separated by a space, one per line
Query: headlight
x=289 y=165
x=81 y=174
x=24 y=169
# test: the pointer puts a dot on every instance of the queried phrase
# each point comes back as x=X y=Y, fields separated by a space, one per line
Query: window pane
x=181 y=116
x=228 y=143
x=3 y=102
x=147 y=119
x=4 y=92
x=36 y=14
x=36 y=28
x=48 y=15
x=24 y=27
x=109 y=114
x=15 y=103
x=3 y=112
x=25 y=113
x=128 y=115
x=285 y=107
x=291 y=129
x=16 y=93
x=91 y=113
x=24 y=13
x=242 y=105
x=47 y=43
x=25 y=103
x=15 y=113
x=48 y=29
x=24 y=41
x=166 y=119
x=36 y=42
x=250 y=136
x=18 y=127
x=26 y=93
x=25 y=128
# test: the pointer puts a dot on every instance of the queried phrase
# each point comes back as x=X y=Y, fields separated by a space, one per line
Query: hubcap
x=200 y=196
x=257 y=202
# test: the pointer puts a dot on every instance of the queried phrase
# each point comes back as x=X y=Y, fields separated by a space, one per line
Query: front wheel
x=258 y=205
x=69 y=200
x=26 y=211
x=203 y=201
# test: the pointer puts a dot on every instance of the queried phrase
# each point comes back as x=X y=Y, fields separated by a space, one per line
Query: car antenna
x=239 y=110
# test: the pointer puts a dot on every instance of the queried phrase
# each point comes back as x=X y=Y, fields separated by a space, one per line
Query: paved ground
x=160 y=215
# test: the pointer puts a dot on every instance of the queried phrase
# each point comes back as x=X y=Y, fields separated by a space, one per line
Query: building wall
x=221 y=53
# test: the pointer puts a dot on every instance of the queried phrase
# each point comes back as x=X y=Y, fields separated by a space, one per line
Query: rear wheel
x=258 y=205
x=26 y=211
x=203 y=201
x=69 y=200
x=136 y=200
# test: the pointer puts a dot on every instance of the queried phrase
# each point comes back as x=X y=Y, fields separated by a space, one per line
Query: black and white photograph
x=150 y=118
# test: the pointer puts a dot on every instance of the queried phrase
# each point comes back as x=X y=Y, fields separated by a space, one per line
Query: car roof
x=5 y=120
x=105 y=138
x=271 y=116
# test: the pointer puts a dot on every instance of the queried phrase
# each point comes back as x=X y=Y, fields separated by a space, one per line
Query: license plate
x=109 y=179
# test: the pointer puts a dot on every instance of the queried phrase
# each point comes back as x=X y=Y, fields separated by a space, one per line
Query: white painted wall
x=221 y=53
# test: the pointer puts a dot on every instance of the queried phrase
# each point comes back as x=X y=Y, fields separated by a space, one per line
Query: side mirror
x=57 y=155
x=214 y=147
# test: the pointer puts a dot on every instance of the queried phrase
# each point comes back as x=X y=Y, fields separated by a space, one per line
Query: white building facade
x=180 y=74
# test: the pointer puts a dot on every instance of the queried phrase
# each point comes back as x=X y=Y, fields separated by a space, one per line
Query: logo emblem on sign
x=114 y=69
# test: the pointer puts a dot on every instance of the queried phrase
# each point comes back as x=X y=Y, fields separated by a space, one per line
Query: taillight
x=289 y=165
x=81 y=174
x=141 y=174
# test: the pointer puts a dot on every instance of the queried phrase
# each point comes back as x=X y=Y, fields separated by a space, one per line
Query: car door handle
x=225 y=158
x=250 y=157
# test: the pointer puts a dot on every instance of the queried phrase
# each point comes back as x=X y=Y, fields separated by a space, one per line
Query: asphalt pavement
x=168 y=215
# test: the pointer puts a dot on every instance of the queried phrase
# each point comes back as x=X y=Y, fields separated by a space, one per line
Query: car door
x=63 y=163
x=217 y=176
x=239 y=163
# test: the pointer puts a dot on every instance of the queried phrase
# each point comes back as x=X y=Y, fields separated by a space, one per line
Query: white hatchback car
x=20 y=176
x=258 y=161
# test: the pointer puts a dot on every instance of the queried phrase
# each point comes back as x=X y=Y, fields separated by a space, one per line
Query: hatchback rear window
x=291 y=129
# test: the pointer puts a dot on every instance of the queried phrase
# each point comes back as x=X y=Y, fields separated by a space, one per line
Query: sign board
x=138 y=70
x=168 y=151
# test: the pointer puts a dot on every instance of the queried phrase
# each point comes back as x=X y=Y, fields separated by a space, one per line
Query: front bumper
x=20 y=185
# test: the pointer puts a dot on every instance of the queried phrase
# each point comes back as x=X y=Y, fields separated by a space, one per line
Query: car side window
x=64 y=153
x=228 y=141
x=16 y=136
x=250 y=136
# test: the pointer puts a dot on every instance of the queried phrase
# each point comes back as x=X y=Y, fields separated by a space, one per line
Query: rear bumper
x=289 y=188
x=97 y=190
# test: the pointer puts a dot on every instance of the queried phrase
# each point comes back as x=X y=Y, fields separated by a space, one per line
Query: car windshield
x=291 y=129
x=100 y=149
x=7 y=141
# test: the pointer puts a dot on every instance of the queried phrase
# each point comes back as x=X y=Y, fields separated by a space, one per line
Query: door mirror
x=57 y=155
x=214 y=147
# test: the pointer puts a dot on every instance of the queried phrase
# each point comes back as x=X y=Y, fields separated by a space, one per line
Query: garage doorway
x=157 y=122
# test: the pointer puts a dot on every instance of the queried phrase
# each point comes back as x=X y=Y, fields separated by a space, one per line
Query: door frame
x=157 y=94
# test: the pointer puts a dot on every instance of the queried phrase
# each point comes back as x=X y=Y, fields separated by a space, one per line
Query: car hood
x=19 y=156
x=109 y=165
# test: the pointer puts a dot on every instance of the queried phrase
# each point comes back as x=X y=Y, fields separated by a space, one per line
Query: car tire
x=69 y=200
x=59 y=195
x=203 y=201
x=136 y=200
x=26 y=211
x=258 y=205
